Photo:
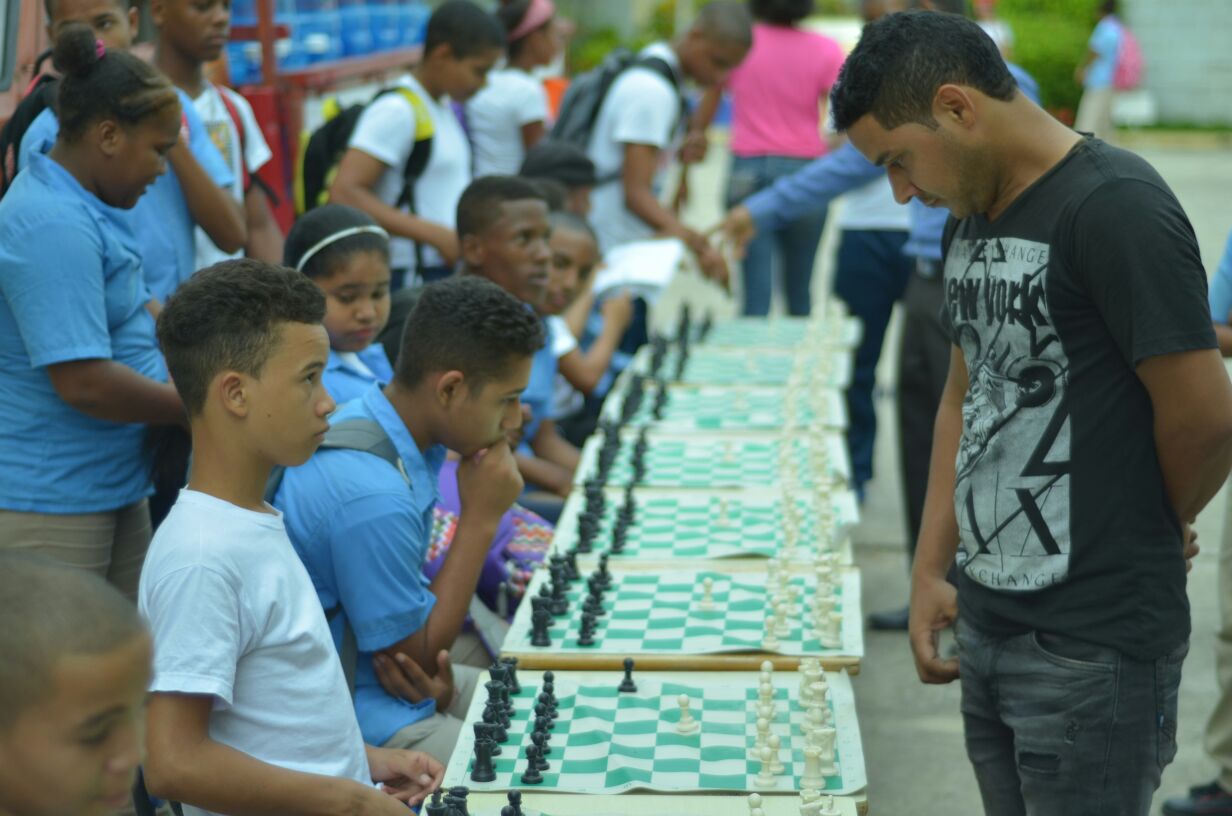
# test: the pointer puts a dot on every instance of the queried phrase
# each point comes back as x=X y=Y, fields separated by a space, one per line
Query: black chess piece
x=511 y=669
x=532 y=776
x=544 y=723
x=703 y=331
x=487 y=731
x=540 y=621
x=540 y=739
x=627 y=685
x=586 y=635
x=437 y=806
x=508 y=810
x=493 y=716
x=482 y=770
x=459 y=794
x=574 y=573
x=604 y=576
x=515 y=801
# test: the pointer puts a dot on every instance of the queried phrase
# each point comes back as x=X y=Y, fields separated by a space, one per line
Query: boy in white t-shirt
x=461 y=44
x=249 y=709
x=635 y=130
x=190 y=34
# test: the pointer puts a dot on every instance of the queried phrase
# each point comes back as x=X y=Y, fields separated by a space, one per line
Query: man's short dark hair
x=781 y=12
x=902 y=59
x=480 y=205
x=227 y=317
x=726 y=22
x=52 y=611
x=468 y=324
x=559 y=161
x=465 y=27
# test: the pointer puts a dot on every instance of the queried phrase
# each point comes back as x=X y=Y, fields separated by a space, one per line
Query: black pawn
x=515 y=802
x=532 y=775
x=542 y=749
x=459 y=794
x=437 y=806
x=511 y=668
x=627 y=685
x=508 y=810
x=482 y=770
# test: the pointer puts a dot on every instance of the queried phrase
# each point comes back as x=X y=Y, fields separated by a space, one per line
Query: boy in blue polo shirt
x=503 y=230
x=362 y=526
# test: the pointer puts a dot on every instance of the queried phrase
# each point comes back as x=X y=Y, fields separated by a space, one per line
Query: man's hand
x=714 y=266
x=934 y=606
x=402 y=678
x=408 y=776
x=444 y=241
x=617 y=311
x=736 y=230
x=694 y=148
x=1189 y=543
x=489 y=482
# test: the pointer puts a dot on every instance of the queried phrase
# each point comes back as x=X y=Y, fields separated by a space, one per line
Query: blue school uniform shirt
x=363 y=529
x=540 y=390
x=71 y=288
x=1221 y=286
x=1105 y=42
x=160 y=220
x=349 y=375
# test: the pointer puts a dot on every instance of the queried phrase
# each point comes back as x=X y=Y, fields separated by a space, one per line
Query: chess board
x=709 y=408
x=664 y=613
x=731 y=460
x=710 y=365
x=608 y=742
x=689 y=524
x=780 y=332
x=548 y=803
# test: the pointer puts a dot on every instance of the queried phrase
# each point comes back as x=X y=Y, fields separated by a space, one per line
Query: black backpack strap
x=664 y=69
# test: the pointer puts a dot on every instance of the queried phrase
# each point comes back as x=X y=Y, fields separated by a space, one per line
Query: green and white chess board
x=705 y=408
x=710 y=365
x=781 y=332
x=667 y=613
x=688 y=524
x=729 y=461
x=606 y=742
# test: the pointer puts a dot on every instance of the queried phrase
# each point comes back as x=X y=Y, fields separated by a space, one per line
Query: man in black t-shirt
x=1087 y=418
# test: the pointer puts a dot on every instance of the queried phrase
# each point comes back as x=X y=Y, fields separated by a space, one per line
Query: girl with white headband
x=346 y=254
x=510 y=114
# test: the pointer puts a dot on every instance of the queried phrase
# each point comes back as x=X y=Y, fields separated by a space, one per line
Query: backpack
x=1127 y=73
x=40 y=94
x=579 y=110
x=321 y=151
x=247 y=179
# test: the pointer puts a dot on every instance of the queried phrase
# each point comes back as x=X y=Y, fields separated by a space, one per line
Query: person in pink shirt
x=778 y=95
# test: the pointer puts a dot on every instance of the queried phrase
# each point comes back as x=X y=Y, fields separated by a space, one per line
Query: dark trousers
x=924 y=362
x=870 y=276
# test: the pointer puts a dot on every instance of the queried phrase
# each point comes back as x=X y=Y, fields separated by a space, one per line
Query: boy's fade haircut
x=227 y=317
x=563 y=219
x=725 y=22
x=51 y=611
x=480 y=205
x=902 y=59
x=469 y=324
x=465 y=27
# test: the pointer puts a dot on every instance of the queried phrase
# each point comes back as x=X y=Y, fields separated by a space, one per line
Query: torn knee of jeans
x=1038 y=763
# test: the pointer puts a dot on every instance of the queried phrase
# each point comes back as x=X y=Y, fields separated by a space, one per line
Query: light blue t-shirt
x=1105 y=42
x=1221 y=286
x=540 y=390
x=160 y=220
x=71 y=288
x=349 y=375
x=363 y=530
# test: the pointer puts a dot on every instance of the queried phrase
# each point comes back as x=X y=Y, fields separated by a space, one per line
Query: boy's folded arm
x=185 y=765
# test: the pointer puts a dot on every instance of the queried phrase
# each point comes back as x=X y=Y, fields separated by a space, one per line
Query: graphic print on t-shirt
x=221 y=134
x=1012 y=486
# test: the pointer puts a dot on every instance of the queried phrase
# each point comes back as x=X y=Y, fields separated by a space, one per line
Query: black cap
x=560 y=162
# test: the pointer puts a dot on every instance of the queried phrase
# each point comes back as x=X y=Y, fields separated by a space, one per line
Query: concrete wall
x=1187 y=46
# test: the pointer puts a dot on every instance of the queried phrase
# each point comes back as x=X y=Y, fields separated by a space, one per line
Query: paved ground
x=912 y=733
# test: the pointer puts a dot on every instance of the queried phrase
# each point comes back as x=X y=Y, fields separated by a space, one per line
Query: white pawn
x=763 y=737
x=776 y=763
x=767 y=667
x=782 y=626
x=707 y=603
x=754 y=803
x=770 y=641
x=686 y=725
x=766 y=777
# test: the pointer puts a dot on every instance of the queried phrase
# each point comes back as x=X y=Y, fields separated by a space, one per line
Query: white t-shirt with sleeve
x=386 y=132
x=566 y=399
x=511 y=99
x=226 y=137
x=234 y=615
x=642 y=107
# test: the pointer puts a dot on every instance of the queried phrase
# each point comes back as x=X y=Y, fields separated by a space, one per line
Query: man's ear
x=156 y=15
x=953 y=104
x=110 y=137
x=134 y=18
x=443 y=51
x=472 y=251
x=449 y=387
x=232 y=389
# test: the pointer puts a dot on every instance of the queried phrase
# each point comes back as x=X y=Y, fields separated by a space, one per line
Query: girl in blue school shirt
x=80 y=370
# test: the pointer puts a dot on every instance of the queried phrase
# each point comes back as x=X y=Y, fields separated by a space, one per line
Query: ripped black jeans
x=1060 y=727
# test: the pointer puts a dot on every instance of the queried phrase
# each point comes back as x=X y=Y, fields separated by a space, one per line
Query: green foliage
x=1050 y=41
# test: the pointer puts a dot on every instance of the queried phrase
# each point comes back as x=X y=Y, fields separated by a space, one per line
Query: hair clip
x=100 y=50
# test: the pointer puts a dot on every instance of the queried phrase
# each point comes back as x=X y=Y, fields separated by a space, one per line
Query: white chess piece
x=828 y=808
x=686 y=725
x=825 y=747
x=832 y=633
x=775 y=743
x=707 y=603
x=814 y=721
x=766 y=777
x=754 y=802
x=763 y=737
x=782 y=626
x=811 y=777
x=770 y=641
x=767 y=667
